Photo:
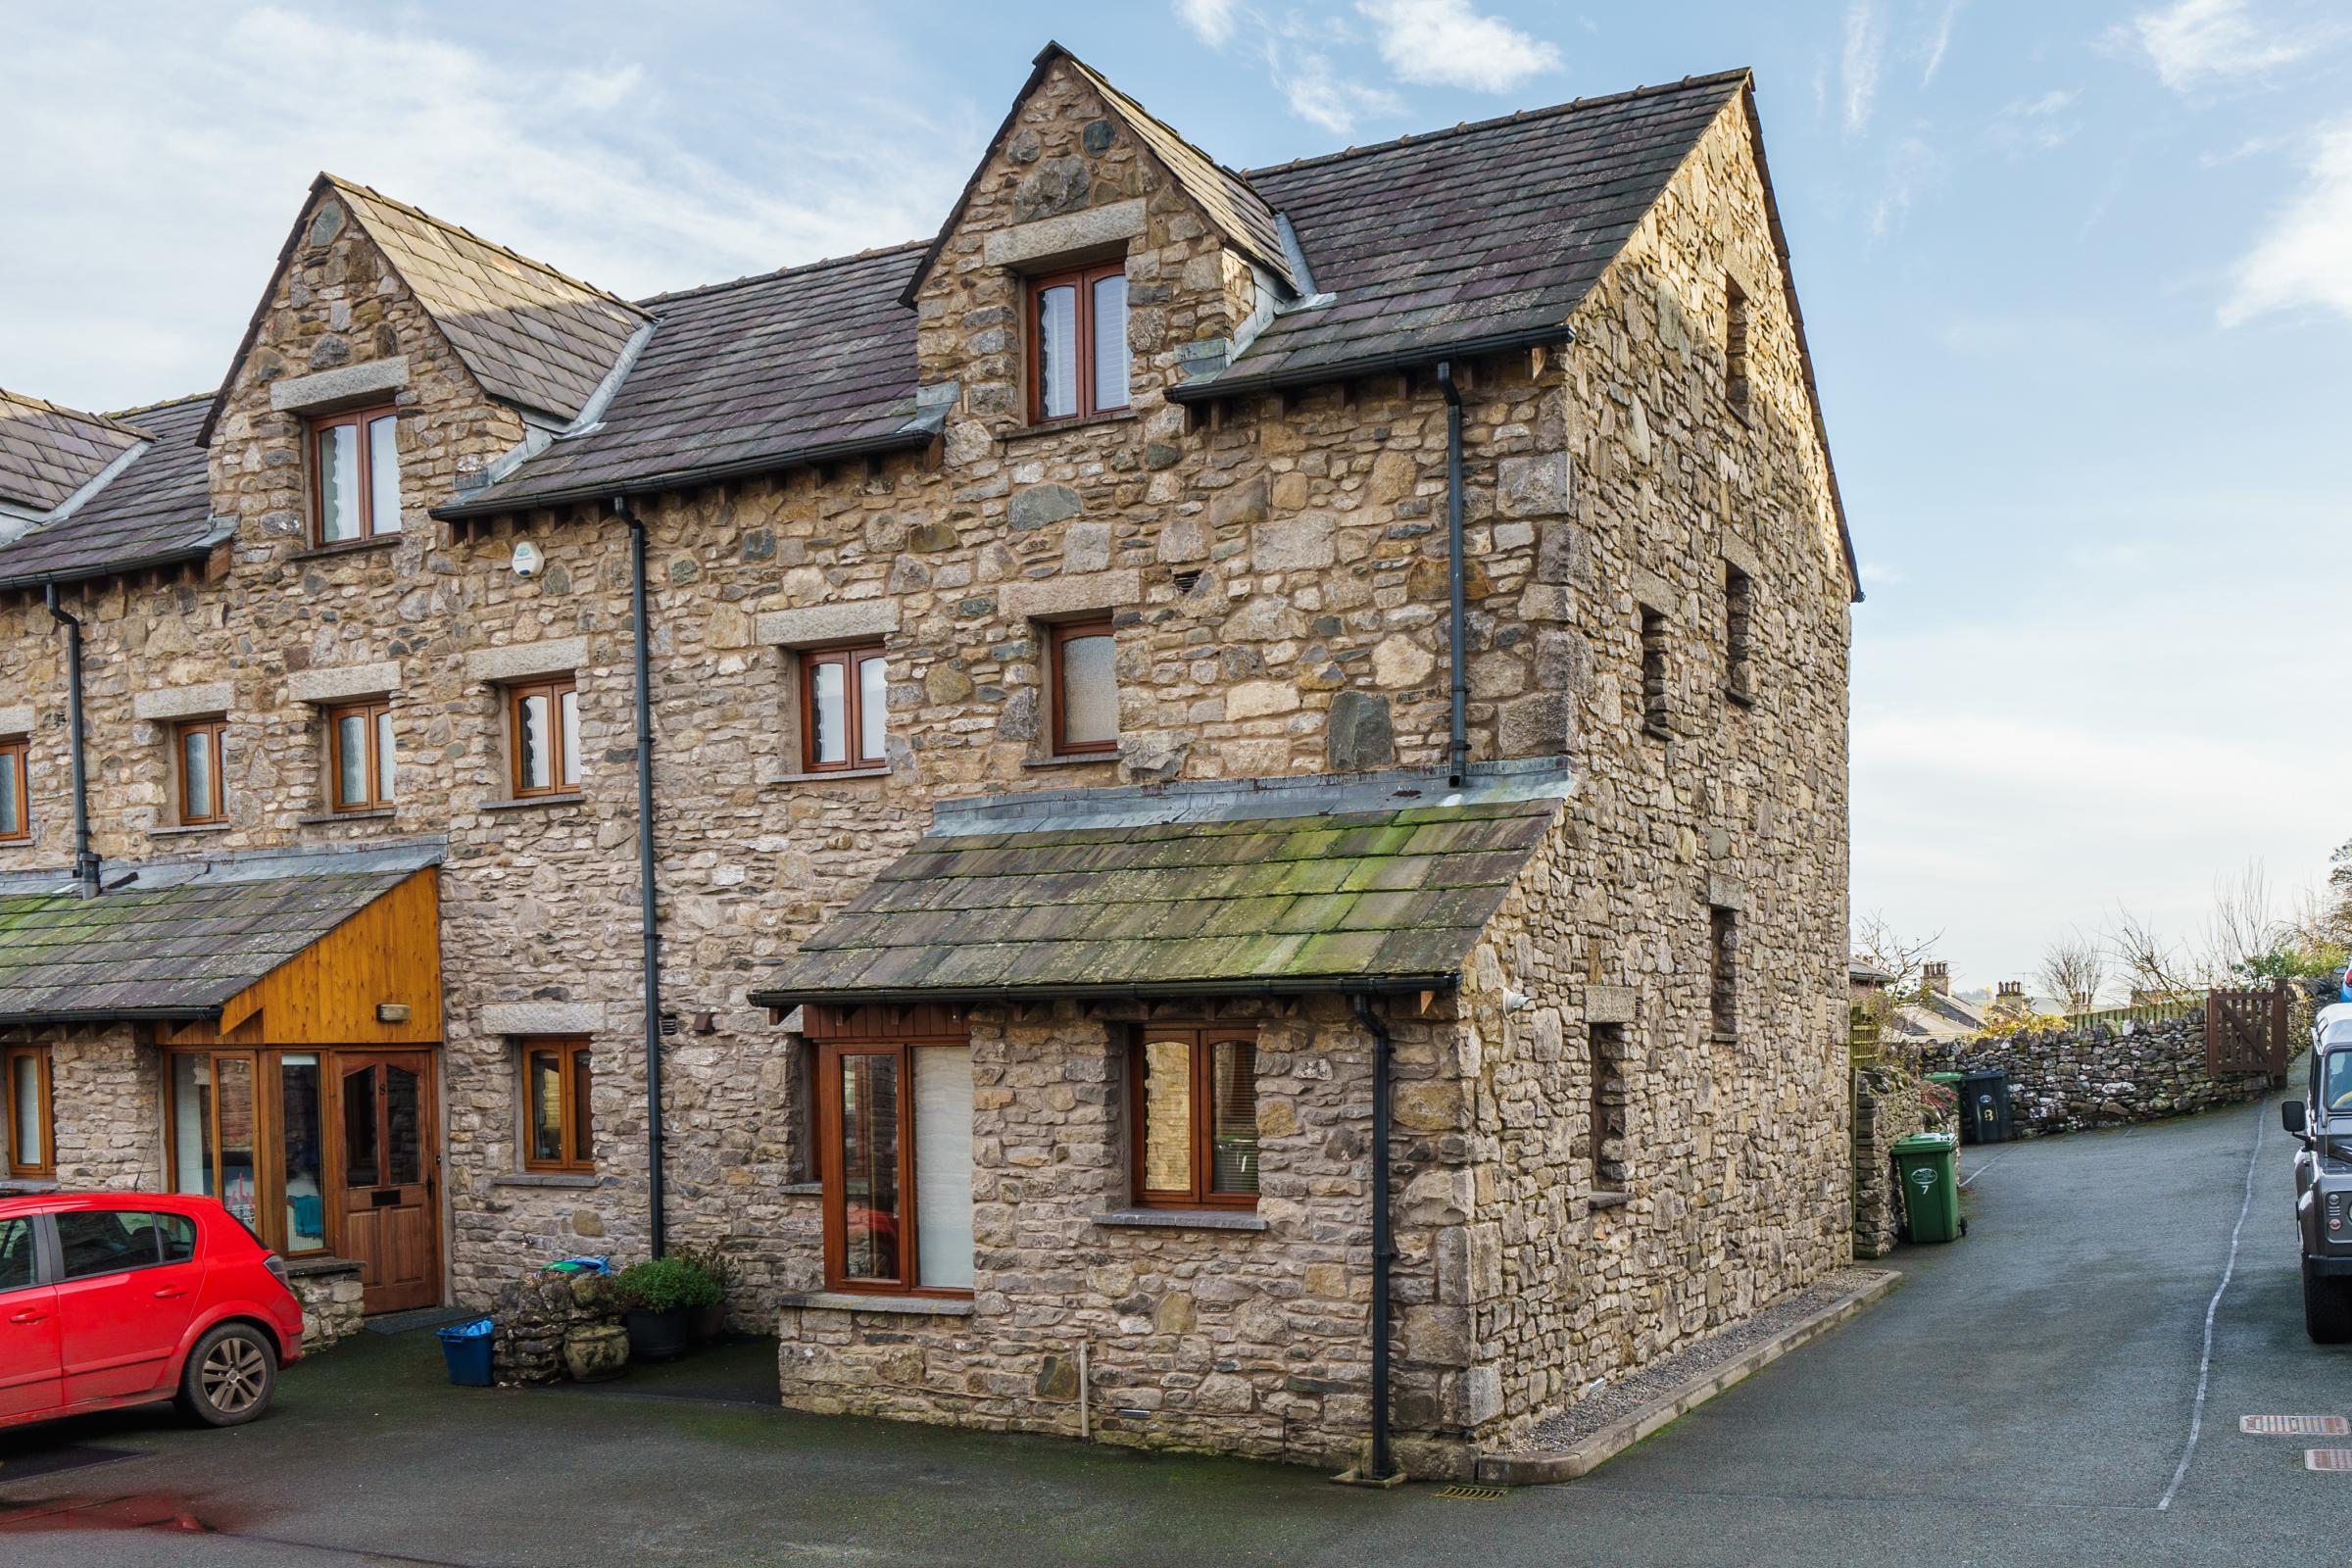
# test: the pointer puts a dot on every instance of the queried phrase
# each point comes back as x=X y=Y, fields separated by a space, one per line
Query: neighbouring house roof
x=1938 y=1016
x=155 y=510
x=744 y=376
x=1867 y=974
x=178 y=950
x=47 y=453
x=1183 y=892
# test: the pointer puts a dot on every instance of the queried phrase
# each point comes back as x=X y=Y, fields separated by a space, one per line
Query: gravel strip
x=1620 y=1399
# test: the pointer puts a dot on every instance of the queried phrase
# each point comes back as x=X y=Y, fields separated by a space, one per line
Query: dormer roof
x=1222 y=195
x=47 y=453
x=153 y=511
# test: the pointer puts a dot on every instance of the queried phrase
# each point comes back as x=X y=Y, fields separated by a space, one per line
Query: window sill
x=185 y=832
x=374 y=813
x=803 y=1189
x=1657 y=732
x=1741 y=695
x=1033 y=433
x=1608 y=1201
x=531 y=802
x=546 y=1178
x=1082 y=759
x=321 y=1264
x=904 y=1305
x=1724 y=1037
x=1182 y=1219
x=27 y=1186
x=831 y=774
x=349 y=547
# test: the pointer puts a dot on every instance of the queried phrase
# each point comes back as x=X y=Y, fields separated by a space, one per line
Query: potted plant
x=710 y=1322
x=660 y=1298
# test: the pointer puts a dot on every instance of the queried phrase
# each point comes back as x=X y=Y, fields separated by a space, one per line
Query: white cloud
x=1318 y=94
x=1941 y=42
x=1446 y=43
x=2304 y=258
x=1212 y=20
x=177 y=137
x=1911 y=164
x=1865 y=56
x=2035 y=124
x=2195 y=41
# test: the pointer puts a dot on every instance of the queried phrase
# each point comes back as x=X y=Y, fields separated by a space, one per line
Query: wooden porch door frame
x=339 y=1064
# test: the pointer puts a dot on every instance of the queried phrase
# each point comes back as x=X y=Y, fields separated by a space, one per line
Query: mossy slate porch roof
x=1361 y=901
x=165 y=953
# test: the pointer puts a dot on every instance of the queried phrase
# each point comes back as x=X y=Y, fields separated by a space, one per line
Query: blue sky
x=2079 y=279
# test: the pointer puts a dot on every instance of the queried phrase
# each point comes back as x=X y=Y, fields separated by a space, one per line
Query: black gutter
x=111 y=568
x=16 y=1020
x=1323 y=372
x=1118 y=991
x=85 y=862
x=1458 y=619
x=638 y=621
x=1382 y=1468
x=495 y=504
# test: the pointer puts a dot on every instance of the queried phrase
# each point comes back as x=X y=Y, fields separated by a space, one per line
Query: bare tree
x=1904 y=959
x=2244 y=926
x=2149 y=962
x=2073 y=969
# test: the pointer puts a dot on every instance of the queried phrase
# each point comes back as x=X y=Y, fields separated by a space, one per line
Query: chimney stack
x=1938 y=977
x=2010 y=997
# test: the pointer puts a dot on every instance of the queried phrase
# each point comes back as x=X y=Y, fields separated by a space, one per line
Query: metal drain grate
x=1470 y=1493
x=2295 y=1426
x=2328 y=1459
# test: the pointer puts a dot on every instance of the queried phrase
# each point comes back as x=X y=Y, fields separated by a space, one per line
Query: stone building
x=1203 y=740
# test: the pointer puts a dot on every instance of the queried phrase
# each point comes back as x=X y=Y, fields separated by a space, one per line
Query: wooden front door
x=382 y=1122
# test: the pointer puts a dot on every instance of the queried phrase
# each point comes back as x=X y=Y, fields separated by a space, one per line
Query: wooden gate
x=2245 y=1031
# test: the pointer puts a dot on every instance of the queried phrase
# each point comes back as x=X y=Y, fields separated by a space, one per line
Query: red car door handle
x=28 y=1316
x=171 y=1290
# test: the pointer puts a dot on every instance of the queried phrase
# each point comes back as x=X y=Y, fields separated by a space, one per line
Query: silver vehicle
x=2322 y=1122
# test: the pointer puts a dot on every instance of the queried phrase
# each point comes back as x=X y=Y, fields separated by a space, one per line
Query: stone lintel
x=1655 y=593
x=1047 y=237
x=1609 y=1004
x=326 y=685
x=342 y=384
x=541 y=1018
x=556 y=655
x=1071 y=595
x=1741 y=554
x=813 y=624
x=1726 y=892
x=183 y=701
x=16 y=719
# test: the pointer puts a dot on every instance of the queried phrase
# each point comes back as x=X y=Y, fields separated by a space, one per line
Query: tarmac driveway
x=2026 y=1397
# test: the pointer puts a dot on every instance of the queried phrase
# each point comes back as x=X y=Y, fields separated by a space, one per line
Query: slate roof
x=743 y=376
x=530 y=334
x=167 y=951
x=47 y=453
x=158 y=510
x=1484 y=232
x=1367 y=899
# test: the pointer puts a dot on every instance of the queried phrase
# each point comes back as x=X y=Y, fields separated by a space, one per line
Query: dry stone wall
x=2068 y=1080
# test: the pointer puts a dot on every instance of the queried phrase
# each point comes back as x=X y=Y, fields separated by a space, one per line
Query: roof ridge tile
x=352 y=186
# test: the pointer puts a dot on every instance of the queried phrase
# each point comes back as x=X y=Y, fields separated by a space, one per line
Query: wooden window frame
x=45 y=1169
x=1082 y=281
x=1202 y=1039
x=217 y=728
x=829 y=1055
x=1057 y=635
x=553 y=688
x=16 y=760
x=368 y=713
x=579 y=1143
x=360 y=419
x=851 y=661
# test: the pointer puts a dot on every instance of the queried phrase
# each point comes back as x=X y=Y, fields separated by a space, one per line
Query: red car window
x=108 y=1240
x=16 y=1253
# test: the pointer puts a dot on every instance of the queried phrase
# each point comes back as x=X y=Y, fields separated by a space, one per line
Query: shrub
x=667 y=1285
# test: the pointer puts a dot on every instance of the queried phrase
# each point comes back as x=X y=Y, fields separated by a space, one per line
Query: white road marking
x=1982 y=1169
x=2196 y=1410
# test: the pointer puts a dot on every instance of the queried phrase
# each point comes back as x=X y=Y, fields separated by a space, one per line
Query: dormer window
x=355 y=475
x=1078 y=343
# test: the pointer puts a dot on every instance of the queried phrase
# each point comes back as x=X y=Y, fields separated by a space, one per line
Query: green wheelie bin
x=1927 y=1165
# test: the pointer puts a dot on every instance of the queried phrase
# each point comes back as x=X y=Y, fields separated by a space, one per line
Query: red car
x=121 y=1299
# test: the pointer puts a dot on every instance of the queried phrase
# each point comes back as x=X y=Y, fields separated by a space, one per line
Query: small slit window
x=1605 y=1128
x=1084 y=688
x=1738 y=622
x=26 y=1097
x=1723 y=971
x=359 y=740
x=844 y=708
x=355 y=475
x=15 y=795
x=1078 y=357
x=1735 y=347
x=558 y=1128
x=1655 y=712
x=197 y=745
x=544 y=730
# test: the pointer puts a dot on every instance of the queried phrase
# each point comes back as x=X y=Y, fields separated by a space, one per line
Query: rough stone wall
x=2071 y=1079
x=1735 y=1148
x=1252 y=1341
x=1886 y=1111
x=107 y=1101
x=330 y=1298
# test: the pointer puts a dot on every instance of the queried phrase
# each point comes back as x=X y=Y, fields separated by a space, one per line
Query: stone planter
x=595 y=1353
x=659 y=1336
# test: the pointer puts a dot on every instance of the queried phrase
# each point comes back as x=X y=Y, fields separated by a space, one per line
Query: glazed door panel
x=382 y=1119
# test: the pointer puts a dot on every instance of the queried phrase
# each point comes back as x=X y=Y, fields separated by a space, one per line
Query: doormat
x=424 y=1318
x=49 y=1461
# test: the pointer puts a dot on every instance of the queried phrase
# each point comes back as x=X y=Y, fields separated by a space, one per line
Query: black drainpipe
x=645 y=874
x=85 y=863
x=1382 y=1250
x=1460 y=759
